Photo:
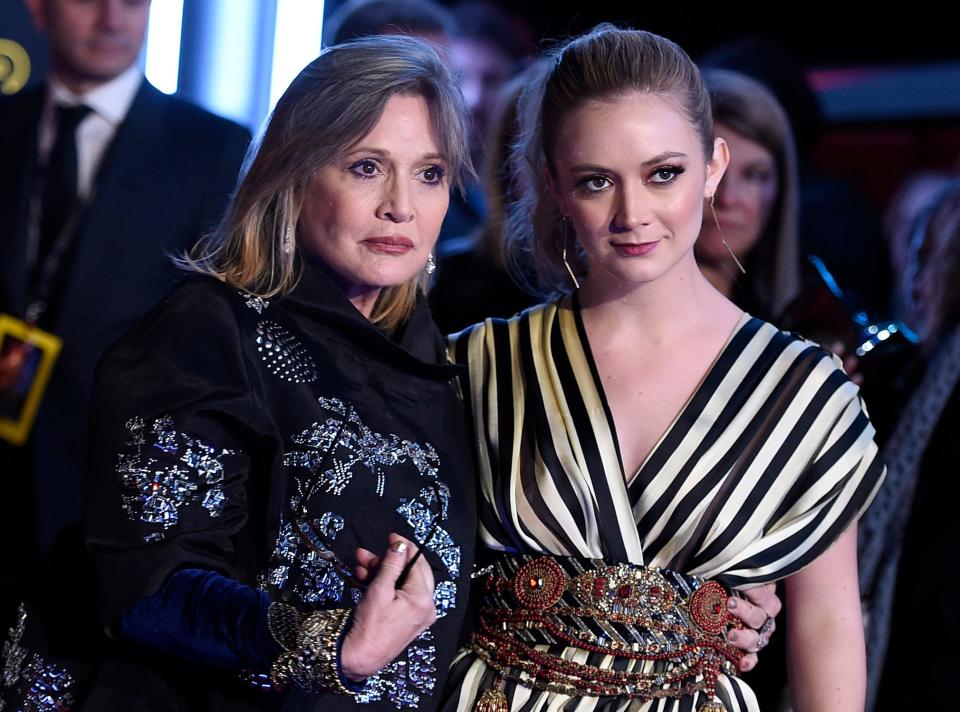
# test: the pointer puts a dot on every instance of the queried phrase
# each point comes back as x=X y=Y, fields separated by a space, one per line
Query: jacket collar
x=416 y=346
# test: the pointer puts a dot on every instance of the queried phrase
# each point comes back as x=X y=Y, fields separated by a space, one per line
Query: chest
x=646 y=391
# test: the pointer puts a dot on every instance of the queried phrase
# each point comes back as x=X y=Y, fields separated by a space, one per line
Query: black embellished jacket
x=218 y=415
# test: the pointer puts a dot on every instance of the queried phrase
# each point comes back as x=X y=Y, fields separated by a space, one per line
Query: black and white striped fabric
x=773 y=408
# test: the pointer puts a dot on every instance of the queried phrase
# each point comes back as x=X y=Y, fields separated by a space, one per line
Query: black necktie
x=59 y=194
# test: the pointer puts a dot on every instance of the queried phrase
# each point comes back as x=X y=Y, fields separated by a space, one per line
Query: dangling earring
x=289 y=239
x=431 y=265
x=565 y=221
x=723 y=240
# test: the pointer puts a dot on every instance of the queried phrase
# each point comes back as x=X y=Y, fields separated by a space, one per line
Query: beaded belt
x=627 y=611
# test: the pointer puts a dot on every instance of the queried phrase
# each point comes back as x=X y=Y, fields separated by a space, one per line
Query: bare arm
x=825 y=648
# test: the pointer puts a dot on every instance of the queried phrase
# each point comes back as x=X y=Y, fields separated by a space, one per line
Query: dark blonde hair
x=334 y=102
x=603 y=64
x=748 y=108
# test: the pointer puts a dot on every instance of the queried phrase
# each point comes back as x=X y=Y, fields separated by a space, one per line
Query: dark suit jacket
x=163 y=182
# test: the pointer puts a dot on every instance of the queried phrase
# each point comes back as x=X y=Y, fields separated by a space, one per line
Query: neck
x=673 y=304
x=722 y=277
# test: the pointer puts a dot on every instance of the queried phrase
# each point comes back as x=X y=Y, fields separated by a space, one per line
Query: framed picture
x=27 y=355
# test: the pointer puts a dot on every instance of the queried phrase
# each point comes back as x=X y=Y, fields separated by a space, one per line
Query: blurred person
x=486 y=52
x=362 y=18
x=835 y=221
x=472 y=281
x=104 y=178
x=908 y=576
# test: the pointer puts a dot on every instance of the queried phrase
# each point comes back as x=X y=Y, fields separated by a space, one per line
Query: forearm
x=204 y=617
x=826 y=654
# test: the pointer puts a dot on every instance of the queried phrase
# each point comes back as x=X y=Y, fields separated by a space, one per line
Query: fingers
x=391 y=566
x=751 y=615
x=765 y=597
x=367 y=564
x=748 y=662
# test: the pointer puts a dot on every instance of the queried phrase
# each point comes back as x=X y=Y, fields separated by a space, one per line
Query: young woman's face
x=743 y=201
x=631 y=176
x=373 y=215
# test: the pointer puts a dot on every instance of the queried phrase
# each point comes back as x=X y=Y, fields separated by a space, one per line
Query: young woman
x=644 y=445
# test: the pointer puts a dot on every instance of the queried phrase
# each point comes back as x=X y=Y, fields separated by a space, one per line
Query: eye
x=594 y=184
x=665 y=174
x=433 y=175
x=758 y=175
x=366 y=168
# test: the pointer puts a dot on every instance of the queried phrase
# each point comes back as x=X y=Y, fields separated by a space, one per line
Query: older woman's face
x=743 y=201
x=373 y=216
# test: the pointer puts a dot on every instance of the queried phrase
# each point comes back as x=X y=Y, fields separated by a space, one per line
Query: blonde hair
x=334 y=102
x=747 y=107
x=603 y=64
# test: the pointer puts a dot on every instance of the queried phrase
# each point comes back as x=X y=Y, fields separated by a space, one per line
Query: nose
x=111 y=14
x=397 y=203
x=632 y=209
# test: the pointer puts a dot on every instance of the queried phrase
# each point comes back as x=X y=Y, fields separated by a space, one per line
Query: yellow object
x=14 y=66
x=27 y=355
x=491 y=701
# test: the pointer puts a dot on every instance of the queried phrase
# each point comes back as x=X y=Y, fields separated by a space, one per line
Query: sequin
x=316 y=581
x=422 y=519
x=38 y=686
x=283 y=353
x=258 y=304
x=445 y=597
x=155 y=490
x=404 y=681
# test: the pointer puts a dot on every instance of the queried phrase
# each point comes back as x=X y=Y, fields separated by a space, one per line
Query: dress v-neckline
x=585 y=346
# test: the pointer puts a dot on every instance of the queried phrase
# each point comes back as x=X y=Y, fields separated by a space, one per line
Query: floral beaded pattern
x=162 y=471
x=340 y=455
x=35 y=684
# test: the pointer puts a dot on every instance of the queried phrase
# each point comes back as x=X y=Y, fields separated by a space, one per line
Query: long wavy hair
x=334 y=102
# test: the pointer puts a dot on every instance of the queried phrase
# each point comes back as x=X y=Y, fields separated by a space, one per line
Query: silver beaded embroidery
x=340 y=452
x=423 y=520
x=406 y=679
x=318 y=580
x=156 y=490
x=38 y=686
x=258 y=304
x=283 y=353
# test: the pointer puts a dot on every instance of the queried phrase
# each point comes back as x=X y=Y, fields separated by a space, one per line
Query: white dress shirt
x=109 y=103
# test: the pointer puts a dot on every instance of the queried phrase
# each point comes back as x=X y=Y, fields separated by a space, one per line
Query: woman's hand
x=388 y=618
x=757 y=611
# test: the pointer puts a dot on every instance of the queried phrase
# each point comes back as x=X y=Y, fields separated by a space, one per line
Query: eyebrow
x=381 y=153
x=659 y=158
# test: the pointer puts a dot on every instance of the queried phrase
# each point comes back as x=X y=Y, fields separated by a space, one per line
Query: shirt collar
x=110 y=100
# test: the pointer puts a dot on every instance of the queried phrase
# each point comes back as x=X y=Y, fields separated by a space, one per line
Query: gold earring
x=565 y=221
x=723 y=240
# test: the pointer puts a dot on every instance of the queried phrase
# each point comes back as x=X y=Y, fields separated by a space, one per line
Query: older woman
x=281 y=482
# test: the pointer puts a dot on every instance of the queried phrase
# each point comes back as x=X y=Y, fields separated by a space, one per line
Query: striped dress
x=552 y=480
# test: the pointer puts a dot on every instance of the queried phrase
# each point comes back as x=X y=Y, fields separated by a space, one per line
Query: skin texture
x=655 y=325
x=825 y=648
x=91 y=41
x=373 y=216
x=743 y=201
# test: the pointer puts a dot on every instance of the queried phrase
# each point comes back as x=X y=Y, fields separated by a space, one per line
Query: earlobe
x=716 y=167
